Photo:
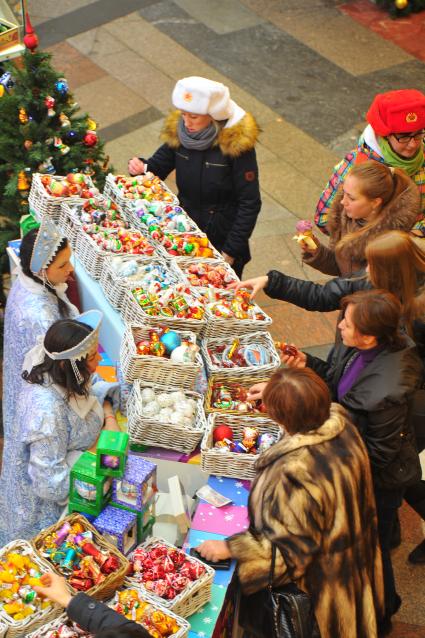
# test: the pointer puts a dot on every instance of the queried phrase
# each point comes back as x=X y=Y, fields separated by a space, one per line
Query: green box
x=85 y=508
x=83 y=476
x=112 y=444
x=145 y=519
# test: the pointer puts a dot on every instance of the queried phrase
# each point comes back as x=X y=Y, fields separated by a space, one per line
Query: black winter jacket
x=218 y=187
x=378 y=404
x=95 y=617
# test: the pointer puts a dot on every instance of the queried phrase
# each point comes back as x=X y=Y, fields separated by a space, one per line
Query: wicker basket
x=115 y=287
x=239 y=373
x=44 y=204
x=152 y=368
x=44 y=630
x=112 y=581
x=133 y=313
x=135 y=220
x=183 y=264
x=150 y=431
x=246 y=382
x=68 y=222
x=93 y=258
x=229 y=327
x=194 y=597
x=183 y=258
x=225 y=463
x=3 y=629
x=111 y=190
x=21 y=628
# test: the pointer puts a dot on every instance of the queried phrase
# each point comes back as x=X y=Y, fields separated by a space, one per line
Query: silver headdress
x=45 y=246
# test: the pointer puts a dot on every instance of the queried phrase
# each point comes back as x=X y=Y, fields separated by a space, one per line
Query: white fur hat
x=206 y=97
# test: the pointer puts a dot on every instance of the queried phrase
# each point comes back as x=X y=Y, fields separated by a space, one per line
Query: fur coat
x=313 y=497
x=218 y=187
x=400 y=215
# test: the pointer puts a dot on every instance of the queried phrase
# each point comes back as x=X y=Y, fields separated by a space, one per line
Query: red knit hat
x=397 y=112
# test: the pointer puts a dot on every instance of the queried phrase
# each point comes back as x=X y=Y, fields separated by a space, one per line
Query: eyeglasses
x=405 y=138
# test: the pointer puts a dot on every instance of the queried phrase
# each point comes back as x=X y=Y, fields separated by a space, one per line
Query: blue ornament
x=239 y=448
x=61 y=86
x=7 y=81
x=255 y=354
x=171 y=340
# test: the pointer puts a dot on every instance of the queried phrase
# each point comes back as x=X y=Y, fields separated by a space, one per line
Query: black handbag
x=284 y=612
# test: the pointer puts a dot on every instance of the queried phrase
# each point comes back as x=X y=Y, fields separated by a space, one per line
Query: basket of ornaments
x=165 y=416
x=232 y=396
x=207 y=273
x=127 y=191
x=170 y=577
x=173 y=305
x=230 y=312
x=123 y=273
x=21 y=608
x=160 y=355
x=232 y=444
x=98 y=210
x=181 y=246
x=157 y=218
x=49 y=191
x=76 y=550
x=249 y=355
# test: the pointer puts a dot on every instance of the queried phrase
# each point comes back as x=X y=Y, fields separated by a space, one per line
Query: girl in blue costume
x=36 y=300
x=60 y=414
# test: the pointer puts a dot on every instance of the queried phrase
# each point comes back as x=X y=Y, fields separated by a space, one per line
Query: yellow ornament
x=23 y=181
x=23 y=116
x=2 y=89
x=91 y=124
x=401 y=4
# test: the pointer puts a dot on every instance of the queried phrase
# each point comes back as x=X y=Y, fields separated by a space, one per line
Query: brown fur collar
x=401 y=215
x=233 y=141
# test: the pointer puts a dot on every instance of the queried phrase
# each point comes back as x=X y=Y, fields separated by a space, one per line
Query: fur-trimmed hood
x=400 y=215
x=233 y=141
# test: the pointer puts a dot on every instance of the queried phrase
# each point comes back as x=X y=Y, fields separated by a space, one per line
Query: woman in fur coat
x=372 y=199
x=313 y=498
x=210 y=142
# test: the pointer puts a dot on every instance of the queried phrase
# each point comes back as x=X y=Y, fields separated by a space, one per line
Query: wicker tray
x=246 y=382
x=112 y=581
x=21 y=628
x=150 y=431
x=225 y=463
x=222 y=327
x=44 y=204
x=156 y=369
x=239 y=373
x=111 y=190
x=133 y=313
x=194 y=597
x=184 y=626
x=115 y=287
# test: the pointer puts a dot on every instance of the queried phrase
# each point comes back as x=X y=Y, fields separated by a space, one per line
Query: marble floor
x=307 y=70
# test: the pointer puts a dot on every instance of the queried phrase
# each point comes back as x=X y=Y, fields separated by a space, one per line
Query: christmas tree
x=400 y=8
x=41 y=131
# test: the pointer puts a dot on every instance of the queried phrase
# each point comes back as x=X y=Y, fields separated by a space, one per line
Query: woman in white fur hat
x=210 y=142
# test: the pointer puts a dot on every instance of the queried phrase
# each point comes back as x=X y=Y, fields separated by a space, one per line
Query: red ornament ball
x=90 y=138
x=222 y=432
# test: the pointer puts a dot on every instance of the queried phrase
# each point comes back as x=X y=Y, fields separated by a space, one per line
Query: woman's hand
x=54 y=587
x=109 y=417
x=294 y=361
x=256 y=284
x=214 y=550
x=256 y=391
x=136 y=166
x=309 y=246
x=228 y=259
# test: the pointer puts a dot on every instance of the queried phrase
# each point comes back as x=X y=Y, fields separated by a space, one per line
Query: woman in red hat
x=394 y=136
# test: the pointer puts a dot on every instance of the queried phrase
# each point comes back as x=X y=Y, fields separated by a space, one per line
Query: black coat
x=378 y=403
x=217 y=187
x=95 y=617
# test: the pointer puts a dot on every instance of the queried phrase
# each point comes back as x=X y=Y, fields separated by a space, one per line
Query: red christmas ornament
x=222 y=432
x=90 y=138
x=30 y=37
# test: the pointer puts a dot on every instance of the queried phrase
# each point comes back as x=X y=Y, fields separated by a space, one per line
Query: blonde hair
x=396 y=262
x=376 y=180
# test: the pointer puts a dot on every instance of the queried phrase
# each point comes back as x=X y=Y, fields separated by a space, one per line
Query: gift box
x=145 y=519
x=9 y=34
x=119 y=527
x=111 y=453
x=137 y=486
x=88 y=491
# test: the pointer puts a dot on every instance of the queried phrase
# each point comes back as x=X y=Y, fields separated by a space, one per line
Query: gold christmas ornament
x=23 y=181
x=401 y=4
x=91 y=124
x=23 y=116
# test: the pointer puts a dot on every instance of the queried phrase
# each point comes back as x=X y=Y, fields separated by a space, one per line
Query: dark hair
x=376 y=313
x=25 y=254
x=298 y=399
x=128 y=631
x=62 y=335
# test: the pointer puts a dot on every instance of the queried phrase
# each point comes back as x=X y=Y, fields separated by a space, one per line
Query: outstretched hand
x=255 y=284
x=55 y=588
x=298 y=360
x=255 y=392
x=136 y=166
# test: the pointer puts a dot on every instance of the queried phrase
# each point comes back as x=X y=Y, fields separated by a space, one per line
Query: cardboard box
x=10 y=37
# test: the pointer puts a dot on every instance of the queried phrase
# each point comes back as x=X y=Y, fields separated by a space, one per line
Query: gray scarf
x=201 y=140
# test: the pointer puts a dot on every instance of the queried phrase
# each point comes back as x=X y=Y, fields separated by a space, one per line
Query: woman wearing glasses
x=395 y=137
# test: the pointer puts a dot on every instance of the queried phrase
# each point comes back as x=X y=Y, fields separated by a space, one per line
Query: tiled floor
x=307 y=70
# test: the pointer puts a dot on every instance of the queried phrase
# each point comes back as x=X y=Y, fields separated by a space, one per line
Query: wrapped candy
x=147 y=187
x=131 y=604
x=206 y=275
x=229 y=304
x=173 y=301
x=18 y=575
x=286 y=348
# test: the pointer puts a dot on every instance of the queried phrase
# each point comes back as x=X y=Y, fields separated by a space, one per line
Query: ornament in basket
x=49 y=191
x=159 y=218
x=118 y=238
x=147 y=186
x=232 y=305
x=189 y=245
x=21 y=608
x=168 y=575
x=77 y=551
x=208 y=274
x=232 y=397
x=60 y=627
x=175 y=301
x=102 y=211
